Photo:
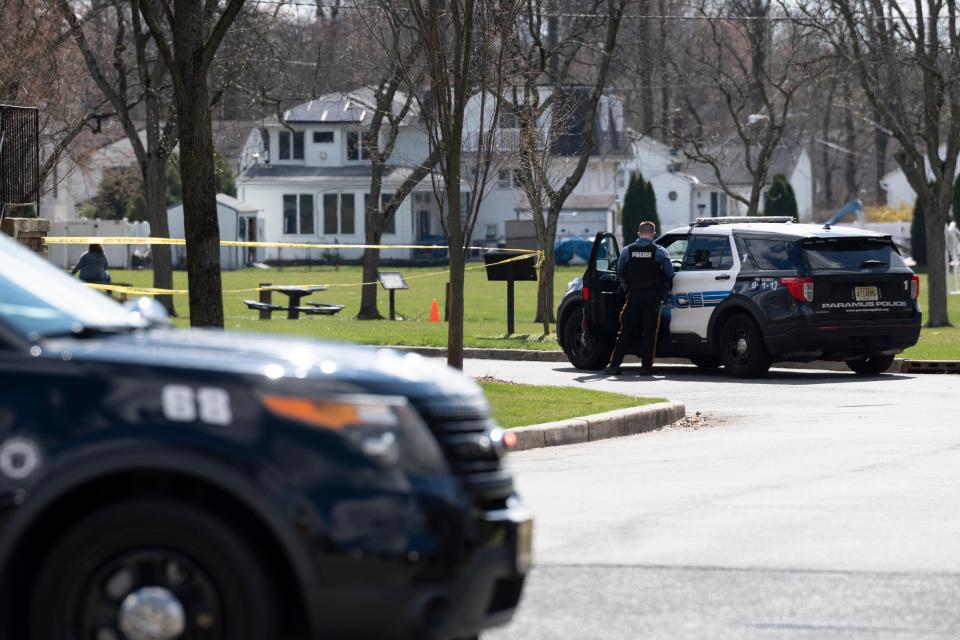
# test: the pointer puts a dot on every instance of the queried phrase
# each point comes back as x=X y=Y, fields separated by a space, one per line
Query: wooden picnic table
x=295 y=293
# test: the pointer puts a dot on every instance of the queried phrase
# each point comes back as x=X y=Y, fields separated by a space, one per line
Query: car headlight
x=386 y=429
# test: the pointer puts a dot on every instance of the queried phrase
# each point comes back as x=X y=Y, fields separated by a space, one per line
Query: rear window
x=770 y=254
x=851 y=254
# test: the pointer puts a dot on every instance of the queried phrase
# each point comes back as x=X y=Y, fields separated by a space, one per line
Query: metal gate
x=19 y=160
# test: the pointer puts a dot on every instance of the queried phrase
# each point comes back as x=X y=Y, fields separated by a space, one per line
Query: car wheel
x=154 y=569
x=870 y=365
x=583 y=350
x=742 y=349
x=706 y=362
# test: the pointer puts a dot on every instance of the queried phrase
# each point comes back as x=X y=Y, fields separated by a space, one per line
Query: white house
x=593 y=204
x=238 y=222
x=310 y=177
x=687 y=190
x=77 y=176
x=899 y=191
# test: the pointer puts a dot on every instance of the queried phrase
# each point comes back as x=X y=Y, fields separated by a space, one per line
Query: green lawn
x=485 y=311
x=516 y=405
x=942 y=343
x=486 y=318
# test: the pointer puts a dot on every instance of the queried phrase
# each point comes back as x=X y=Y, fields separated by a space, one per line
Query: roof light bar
x=706 y=222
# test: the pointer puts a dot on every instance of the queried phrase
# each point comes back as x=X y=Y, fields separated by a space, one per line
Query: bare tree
x=906 y=60
x=188 y=34
x=129 y=84
x=752 y=61
x=391 y=110
x=464 y=56
x=556 y=120
x=37 y=69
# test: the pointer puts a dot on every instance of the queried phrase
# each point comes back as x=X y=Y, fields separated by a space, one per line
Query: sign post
x=523 y=269
x=391 y=281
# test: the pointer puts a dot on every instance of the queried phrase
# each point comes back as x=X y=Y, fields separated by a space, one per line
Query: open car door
x=602 y=297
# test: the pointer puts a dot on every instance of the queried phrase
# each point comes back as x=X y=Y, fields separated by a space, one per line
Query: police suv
x=752 y=291
x=158 y=484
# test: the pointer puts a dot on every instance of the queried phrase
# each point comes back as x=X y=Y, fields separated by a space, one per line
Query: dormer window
x=356 y=150
x=323 y=137
x=284 y=143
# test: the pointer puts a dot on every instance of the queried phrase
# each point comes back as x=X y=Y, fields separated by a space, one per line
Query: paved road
x=813 y=505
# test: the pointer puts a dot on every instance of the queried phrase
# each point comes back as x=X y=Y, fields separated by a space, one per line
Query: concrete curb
x=900 y=365
x=612 y=424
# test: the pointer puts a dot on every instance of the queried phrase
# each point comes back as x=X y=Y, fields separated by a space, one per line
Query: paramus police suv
x=749 y=292
x=158 y=484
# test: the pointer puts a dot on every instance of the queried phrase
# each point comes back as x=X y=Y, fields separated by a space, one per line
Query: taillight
x=586 y=293
x=800 y=288
x=915 y=287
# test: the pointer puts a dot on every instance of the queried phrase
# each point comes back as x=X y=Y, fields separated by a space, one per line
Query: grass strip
x=517 y=405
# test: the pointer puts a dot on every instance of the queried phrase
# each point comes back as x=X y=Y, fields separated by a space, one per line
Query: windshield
x=852 y=254
x=37 y=299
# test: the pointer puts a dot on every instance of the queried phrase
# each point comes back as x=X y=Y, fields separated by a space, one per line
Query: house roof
x=237 y=205
x=601 y=202
x=734 y=170
x=304 y=173
x=355 y=107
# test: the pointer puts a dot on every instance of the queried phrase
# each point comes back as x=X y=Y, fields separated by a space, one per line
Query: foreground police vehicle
x=752 y=291
x=159 y=484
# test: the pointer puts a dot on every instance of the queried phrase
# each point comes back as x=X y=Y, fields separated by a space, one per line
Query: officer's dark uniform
x=646 y=273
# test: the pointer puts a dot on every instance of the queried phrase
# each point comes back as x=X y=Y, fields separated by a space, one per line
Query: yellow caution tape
x=152 y=291
x=263 y=245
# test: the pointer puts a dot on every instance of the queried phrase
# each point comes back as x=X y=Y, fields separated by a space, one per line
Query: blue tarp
x=567 y=249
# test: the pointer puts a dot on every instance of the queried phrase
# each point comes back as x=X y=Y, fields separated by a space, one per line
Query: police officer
x=646 y=273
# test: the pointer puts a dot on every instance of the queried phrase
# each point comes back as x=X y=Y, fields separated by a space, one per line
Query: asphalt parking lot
x=808 y=505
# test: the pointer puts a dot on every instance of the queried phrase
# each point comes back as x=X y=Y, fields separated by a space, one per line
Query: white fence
x=118 y=255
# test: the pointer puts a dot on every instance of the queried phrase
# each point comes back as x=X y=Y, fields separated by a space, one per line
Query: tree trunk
x=937 y=208
x=457 y=261
x=455 y=318
x=371 y=264
x=646 y=69
x=881 y=140
x=850 y=142
x=545 y=309
x=155 y=191
x=826 y=201
x=753 y=206
x=545 y=293
x=199 y=202
x=663 y=75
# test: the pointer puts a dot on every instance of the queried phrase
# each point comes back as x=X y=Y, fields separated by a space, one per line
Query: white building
x=238 y=222
x=688 y=190
x=310 y=177
x=899 y=191
x=77 y=176
x=593 y=203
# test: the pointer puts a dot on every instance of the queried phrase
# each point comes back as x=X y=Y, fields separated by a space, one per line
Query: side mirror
x=148 y=311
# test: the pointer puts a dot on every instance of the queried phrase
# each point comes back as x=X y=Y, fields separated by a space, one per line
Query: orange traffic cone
x=434 y=311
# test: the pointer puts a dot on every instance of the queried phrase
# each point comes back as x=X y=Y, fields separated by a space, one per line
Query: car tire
x=706 y=362
x=742 y=349
x=870 y=365
x=113 y=565
x=583 y=350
